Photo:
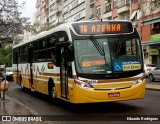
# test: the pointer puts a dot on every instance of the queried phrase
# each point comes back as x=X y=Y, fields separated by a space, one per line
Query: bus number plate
x=116 y=94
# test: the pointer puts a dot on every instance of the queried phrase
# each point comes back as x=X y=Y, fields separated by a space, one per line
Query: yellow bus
x=83 y=62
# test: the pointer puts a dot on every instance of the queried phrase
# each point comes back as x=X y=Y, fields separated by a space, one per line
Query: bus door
x=64 y=74
x=30 y=62
x=16 y=59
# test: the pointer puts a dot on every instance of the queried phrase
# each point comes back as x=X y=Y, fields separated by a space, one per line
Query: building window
x=98 y=11
x=115 y=3
x=107 y=8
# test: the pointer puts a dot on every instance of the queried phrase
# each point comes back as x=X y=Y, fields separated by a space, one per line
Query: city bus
x=83 y=62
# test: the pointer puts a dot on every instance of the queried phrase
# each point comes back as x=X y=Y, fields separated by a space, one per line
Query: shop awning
x=133 y=15
x=155 y=37
x=150 y=42
x=151 y=21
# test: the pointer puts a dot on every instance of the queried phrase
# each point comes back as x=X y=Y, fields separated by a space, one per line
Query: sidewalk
x=153 y=86
x=14 y=112
x=10 y=106
x=11 y=109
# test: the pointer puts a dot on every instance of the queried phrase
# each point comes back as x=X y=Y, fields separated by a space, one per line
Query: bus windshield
x=107 y=55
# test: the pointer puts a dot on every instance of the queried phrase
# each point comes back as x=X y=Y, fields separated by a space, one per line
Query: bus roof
x=62 y=27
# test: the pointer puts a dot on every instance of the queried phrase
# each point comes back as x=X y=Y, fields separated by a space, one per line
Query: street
x=39 y=104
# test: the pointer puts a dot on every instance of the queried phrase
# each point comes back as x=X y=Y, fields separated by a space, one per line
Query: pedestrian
x=3 y=75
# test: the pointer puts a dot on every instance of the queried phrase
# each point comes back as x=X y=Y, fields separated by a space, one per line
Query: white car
x=148 y=68
x=154 y=74
x=8 y=73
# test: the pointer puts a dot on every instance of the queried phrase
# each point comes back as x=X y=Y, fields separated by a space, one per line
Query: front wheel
x=151 y=78
x=52 y=94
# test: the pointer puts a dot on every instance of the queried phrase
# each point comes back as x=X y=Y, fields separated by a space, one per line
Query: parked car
x=148 y=68
x=154 y=74
x=8 y=71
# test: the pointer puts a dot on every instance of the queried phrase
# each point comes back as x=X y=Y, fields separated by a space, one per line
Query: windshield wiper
x=97 y=45
x=118 y=48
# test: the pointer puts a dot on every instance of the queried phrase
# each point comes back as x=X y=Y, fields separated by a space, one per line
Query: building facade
x=151 y=38
x=55 y=12
x=74 y=10
x=145 y=15
x=41 y=21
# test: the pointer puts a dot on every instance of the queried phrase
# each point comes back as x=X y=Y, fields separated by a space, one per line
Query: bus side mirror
x=58 y=52
x=70 y=53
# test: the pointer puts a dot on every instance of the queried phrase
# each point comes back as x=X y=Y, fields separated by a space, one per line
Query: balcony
x=91 y=2
x=107 y=8
x=123 y=6
x=38 y=13
x=91 y=16
x=107 y=15
x=43 y=5
x=108 y=1
x=59 y=8
x=38 y=4
x=57 y=1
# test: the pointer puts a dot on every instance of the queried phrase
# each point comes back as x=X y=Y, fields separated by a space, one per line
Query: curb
x=153 y=89
x=29 y=109
x=18 y=102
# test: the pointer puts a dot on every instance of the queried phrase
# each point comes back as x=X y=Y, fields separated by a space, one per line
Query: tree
x=6 y=56
x=11 y=24
x=149 y=7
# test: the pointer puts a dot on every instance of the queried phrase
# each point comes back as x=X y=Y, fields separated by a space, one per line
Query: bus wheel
x=52 y=93
x=21 y=83
x=151 y=78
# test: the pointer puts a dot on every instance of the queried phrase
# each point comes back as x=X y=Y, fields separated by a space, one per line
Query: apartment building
x=145 y=15
x=41 y=15
x=74 y=10
x=55 y=12
x=150 y=32
x=93 y=9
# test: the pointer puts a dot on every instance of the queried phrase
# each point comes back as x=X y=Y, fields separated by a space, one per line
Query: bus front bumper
x=80 y=95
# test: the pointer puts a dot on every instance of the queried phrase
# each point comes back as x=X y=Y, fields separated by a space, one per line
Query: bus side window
x=42 y=44
x=51 y=40
x=51 y=54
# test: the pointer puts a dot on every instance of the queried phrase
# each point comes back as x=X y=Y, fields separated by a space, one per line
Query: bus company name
x=100 y=28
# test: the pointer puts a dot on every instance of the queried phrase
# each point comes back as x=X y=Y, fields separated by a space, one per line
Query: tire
x=52 y=92
x=151 y=77
x=21 y=84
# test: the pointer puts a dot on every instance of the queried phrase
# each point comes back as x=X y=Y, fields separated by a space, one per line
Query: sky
x=29 y=9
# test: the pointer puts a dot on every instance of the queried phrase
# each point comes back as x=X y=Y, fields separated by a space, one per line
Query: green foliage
x=6 y=56
x=50 y=27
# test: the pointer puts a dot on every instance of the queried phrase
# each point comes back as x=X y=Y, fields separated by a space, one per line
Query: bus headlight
x=137 y=81
x=83 y=84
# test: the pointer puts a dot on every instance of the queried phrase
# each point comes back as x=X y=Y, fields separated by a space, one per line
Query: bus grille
x=116 y=88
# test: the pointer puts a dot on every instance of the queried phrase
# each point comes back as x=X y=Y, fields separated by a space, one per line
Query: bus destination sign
x=102 y=27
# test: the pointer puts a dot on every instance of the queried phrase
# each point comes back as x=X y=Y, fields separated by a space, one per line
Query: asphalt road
x=148 y=106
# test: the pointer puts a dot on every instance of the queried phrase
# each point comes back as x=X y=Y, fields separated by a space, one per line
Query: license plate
x=116 y=94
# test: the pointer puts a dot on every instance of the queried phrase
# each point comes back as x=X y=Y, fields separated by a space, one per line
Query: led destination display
x=102 y=27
